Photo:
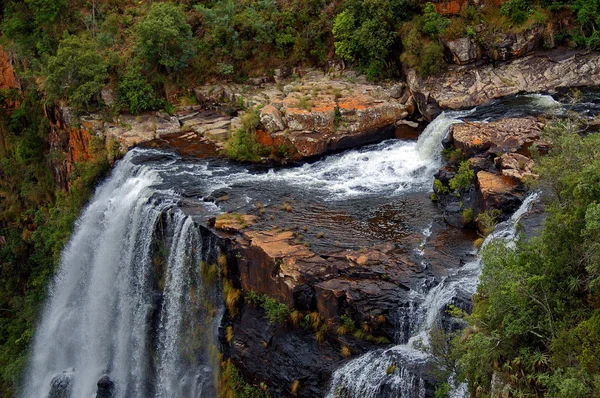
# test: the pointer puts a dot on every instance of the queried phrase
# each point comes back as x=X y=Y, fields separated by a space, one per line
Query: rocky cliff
x=468 y=85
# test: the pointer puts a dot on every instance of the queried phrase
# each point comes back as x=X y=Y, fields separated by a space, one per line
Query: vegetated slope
x=535 y=328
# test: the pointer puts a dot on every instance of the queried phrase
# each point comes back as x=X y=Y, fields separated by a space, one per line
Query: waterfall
x=99 y=320
x=371 y=375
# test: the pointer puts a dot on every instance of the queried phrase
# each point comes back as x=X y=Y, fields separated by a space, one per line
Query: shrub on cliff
x=76 y=73
x=135 y=94
x=242 y=144
x=164 y=38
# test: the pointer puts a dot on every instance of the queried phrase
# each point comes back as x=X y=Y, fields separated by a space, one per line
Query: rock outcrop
x=468 y=86
x=499 y=155
x=308 y=117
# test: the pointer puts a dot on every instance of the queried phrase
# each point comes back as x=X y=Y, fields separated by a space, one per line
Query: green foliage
x=453 y=155
x=164 y=38
x=516 y=10
x=233 y=385
x=439 y=187
x=536 y=319
x=421 y=52
x=463 y=178
x=76 y=73
x=432 y=59
x=135 y=94
x=434 y=23
x=275 y=311
x=242 y=144
x=588 y=16
x=467 y=216
x=365 y=33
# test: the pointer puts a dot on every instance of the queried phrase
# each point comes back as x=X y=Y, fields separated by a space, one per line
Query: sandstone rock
x=463 y=51
x=498 y=192
x=505 y=135
x=270 y=117
x=8 y=79
x=467 y=86
x=233 y=222
x=515 y=166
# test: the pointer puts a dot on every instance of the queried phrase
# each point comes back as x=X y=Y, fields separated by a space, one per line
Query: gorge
x=149 y=285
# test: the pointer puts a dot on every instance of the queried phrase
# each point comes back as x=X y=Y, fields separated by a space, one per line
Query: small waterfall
x=99 y=320
x=400 y=370
x=390 y=167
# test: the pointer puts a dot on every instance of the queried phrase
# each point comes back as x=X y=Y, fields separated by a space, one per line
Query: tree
x=76 y=73
x=365 y=33
x=164 y=38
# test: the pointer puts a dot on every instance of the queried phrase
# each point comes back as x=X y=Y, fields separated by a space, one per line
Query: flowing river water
x=132 y=313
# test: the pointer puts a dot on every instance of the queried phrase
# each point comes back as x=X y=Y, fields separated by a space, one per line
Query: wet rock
x=60 y=386
x=467 y=86
x=463 y=51
x=106 y=388
x=498 y=192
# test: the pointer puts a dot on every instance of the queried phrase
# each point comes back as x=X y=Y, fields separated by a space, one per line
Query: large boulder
x=505 y=135
x=463 y=51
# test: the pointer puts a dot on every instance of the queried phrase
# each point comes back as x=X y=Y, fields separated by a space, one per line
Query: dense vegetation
x=535 y=327
x=150 y=52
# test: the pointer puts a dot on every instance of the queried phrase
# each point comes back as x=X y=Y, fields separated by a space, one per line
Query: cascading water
x=369 y=376
x=98 y=320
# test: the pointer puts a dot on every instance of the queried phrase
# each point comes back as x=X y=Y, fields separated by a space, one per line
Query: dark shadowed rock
x=106 y=387
x=60 y=386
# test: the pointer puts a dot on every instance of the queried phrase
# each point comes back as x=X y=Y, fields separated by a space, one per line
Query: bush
x=76 y=73
x=164 y=38
x=135 y=94
x=516 y=10
x=242 y=144
x=365 y=33
x=432 y=59
x=275 y=311
x=463 y=177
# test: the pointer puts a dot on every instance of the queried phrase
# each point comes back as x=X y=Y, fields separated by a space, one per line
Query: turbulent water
x=369 y=376
x=129 y=307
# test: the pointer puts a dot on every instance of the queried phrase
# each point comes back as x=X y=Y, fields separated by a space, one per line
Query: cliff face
x=69 y=144
x=8 y=78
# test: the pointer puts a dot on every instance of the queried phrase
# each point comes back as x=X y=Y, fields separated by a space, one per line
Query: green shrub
x=467 y=216
x=516 y=10
x=275 y=311
x=432 y=59
x=463 y=177
x=242 y=144
x=135 y=94
x=164 y=38
x=76 y=73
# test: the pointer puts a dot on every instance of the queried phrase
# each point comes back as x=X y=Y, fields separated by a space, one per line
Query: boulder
x=60 y=386
x=515 y=166
x=463 y=51
x=505 y=135
x=498 y=192
x=106 y=388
